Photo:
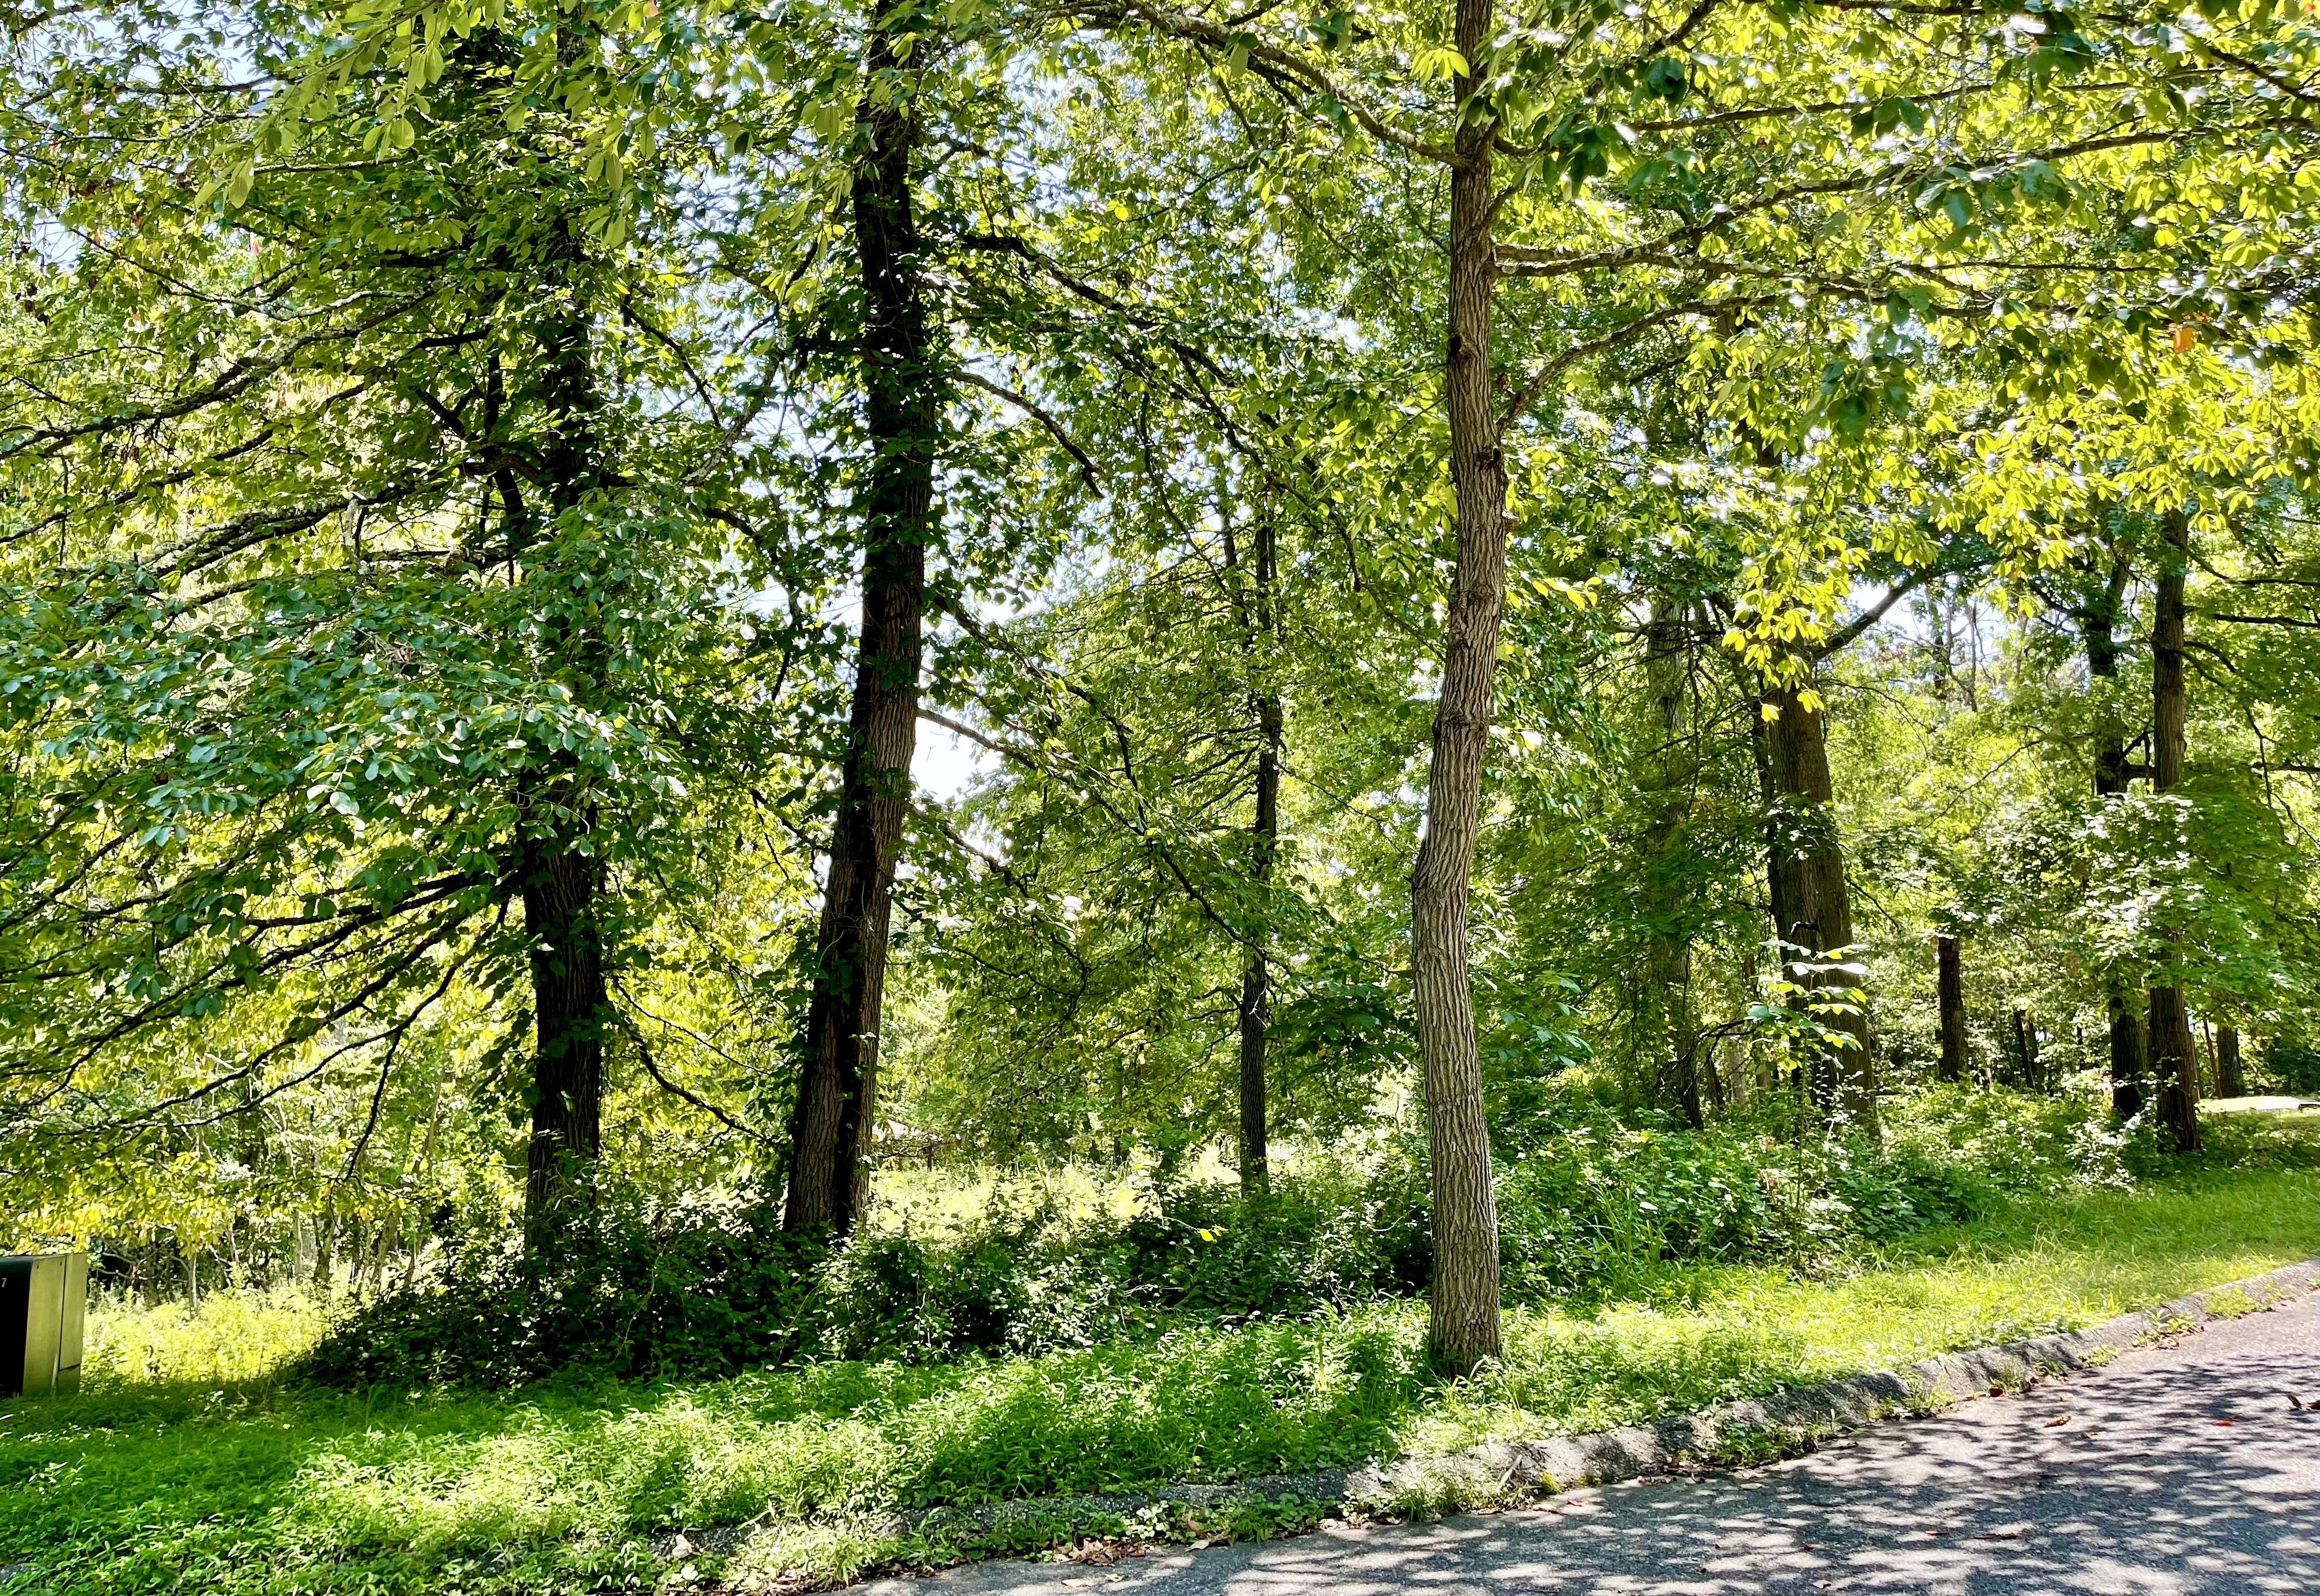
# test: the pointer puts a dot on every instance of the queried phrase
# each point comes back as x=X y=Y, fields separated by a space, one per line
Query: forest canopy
x=617 y=607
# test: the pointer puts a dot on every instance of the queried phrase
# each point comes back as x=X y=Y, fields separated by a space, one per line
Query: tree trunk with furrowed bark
x=903 y=394
x=1950 y=979
x=1256 y=1008
x=1811 y=902
x=1464 y=1328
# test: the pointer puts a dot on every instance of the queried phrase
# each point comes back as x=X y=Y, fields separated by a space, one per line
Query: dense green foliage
x=702 y=702
x=179 y=1466
x=450 y=462
x=1593 y=1209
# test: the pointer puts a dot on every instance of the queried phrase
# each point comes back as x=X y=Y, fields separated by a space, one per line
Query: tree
x=2174 y=1060
x=2098 y=616
x=1255 y=610
x=381 y=609
x=904 y=387
x=1953 y=1007
x=1784 y=157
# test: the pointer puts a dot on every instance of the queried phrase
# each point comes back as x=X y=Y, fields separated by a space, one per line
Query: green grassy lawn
x=148 y=1483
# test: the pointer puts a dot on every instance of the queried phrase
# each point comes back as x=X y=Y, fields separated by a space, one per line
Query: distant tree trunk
x=2174 y=1061
x=1256 y=1004
x=1464 y=1321
x=1781 y=885
x=1738 y=1072
x=1809 y=887
x=1666 y=997
x=2098 y=625
x=2231 y=1074
x=1950 y=978
x=1264 y=834
x=2127 y=1052
x=326 y=1250
x=903 y=396
x=357 y=1239
x=255 y=1266
x=2026 y=1048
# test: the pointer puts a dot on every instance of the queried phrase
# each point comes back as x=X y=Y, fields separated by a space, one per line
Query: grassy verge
x=250 y=1487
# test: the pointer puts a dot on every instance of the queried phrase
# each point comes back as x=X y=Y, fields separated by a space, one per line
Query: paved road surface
x=2176 y=1469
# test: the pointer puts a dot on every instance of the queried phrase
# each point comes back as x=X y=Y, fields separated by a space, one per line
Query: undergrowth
x=152 y=1482
x=1591 y=1206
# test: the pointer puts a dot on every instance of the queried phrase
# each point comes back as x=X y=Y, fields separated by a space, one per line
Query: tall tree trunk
x=2174 y=1065
x=1463 y=1323
x=1666 y=1000
x=1950 y=978
x=558 y=880
x=2231 y=1073
x=569 y=1003
x=903 y=394
x=2098 y=625
x=1807 y=868
x=1256 y=986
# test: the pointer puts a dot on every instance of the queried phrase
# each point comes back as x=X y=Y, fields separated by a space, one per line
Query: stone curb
x=1812 y=1411
x=1772 y=1425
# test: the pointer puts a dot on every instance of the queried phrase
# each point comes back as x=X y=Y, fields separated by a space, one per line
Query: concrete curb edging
x=1774 y=1425
x=1729 y=1433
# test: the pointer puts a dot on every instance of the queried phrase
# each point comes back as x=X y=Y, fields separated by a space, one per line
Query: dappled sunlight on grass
x=1713 y=1334
x=154 y=1481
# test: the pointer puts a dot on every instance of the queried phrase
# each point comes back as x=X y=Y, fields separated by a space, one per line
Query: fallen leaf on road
x=2050 y=1423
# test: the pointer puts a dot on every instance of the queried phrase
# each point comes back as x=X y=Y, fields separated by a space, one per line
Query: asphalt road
x=2176 y=1469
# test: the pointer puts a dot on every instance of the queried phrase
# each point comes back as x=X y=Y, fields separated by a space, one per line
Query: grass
x=233 y=1338
x=184 y=1467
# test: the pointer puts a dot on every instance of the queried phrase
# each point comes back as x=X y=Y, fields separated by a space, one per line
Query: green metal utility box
x=42 y=1299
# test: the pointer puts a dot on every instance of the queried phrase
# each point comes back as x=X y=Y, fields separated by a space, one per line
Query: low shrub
x=2016 y=1141
x=1589 y=1206
x=230 y=1337
x=708 y=1290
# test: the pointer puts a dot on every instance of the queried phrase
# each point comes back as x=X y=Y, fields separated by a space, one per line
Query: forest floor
x=257 y=1485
